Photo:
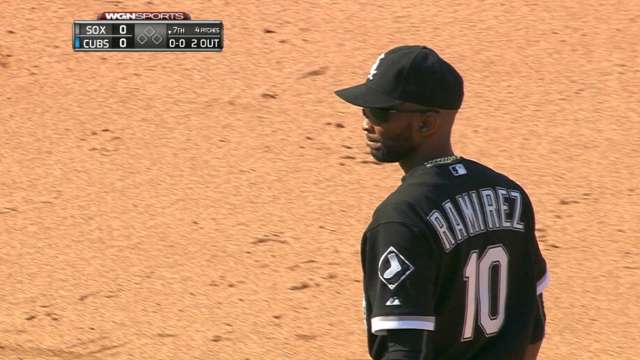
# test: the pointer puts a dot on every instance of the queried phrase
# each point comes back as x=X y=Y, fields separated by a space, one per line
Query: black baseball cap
x=409 y=73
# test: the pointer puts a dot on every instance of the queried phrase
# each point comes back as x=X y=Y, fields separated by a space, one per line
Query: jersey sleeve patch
x=393 y=268
x=380 y=324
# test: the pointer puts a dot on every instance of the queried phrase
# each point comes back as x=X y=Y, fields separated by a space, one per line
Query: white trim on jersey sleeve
x=380 y=324
x=542 y=283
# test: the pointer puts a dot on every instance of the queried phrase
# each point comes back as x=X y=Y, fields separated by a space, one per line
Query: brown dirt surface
x=210 y=205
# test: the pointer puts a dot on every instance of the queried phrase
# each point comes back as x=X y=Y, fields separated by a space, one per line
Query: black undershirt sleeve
x=539 y=325
x=407 y=344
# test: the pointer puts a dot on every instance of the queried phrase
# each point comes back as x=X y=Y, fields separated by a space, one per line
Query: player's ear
x=427 y=123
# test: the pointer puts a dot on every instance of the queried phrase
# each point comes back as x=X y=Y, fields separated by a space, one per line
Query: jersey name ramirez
x=475 y=212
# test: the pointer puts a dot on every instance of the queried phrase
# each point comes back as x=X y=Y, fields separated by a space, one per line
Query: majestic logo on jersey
x=374 y=67
x=393 y=301
x=393 y=268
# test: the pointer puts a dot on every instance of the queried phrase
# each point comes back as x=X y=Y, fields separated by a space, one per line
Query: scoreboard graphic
x=147 y=35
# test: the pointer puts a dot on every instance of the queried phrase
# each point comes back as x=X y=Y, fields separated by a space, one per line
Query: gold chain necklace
x=442 y=160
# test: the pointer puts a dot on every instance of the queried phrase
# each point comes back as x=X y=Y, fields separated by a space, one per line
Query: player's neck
x=421 y=157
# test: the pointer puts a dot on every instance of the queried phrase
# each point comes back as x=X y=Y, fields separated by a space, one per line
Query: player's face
x=393 y=139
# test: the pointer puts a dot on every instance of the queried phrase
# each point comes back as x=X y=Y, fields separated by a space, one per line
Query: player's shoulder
x=429 y=184
x=493 y=178
x=484 y=174
x=424 y=188
x=402 y=206
x=407 y=202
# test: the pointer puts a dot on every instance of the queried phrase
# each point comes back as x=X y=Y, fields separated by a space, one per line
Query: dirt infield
x=210 y=206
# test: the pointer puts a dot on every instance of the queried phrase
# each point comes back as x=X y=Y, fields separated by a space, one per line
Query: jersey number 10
x=478 y=276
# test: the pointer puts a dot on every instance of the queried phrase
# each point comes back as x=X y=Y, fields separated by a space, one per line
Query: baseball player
x=452 y=267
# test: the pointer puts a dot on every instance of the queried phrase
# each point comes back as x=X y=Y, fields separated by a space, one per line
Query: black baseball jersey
x=453 y=251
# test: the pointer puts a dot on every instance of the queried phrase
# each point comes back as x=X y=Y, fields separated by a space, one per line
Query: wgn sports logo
x=151 y=15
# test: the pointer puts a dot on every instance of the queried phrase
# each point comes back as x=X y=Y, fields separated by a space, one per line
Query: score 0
x=123 y=35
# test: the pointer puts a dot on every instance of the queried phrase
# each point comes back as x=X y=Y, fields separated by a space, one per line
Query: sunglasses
x=380 y=115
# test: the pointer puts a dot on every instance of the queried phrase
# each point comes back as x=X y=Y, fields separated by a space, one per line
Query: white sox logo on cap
x=374 y=67
x=408 y=73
